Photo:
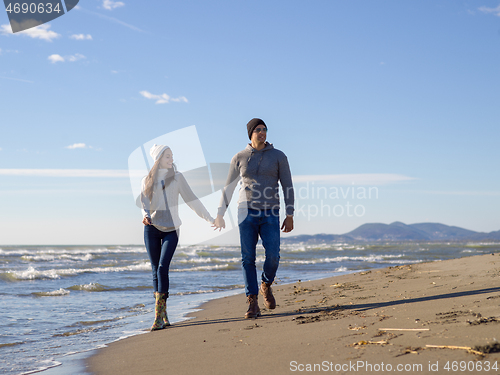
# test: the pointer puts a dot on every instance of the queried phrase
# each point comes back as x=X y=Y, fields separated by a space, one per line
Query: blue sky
x=398 y=96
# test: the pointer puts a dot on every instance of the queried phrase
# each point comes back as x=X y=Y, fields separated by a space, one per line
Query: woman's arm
x=146 y=206
x=192 y=200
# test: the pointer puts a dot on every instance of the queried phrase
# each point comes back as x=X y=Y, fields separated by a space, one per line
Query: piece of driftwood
x=403 y=329
x=468 y=348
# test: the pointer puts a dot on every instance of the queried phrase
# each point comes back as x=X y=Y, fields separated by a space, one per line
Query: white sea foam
x=208 y=260
x=369 y=259
x=473 y=244
x=44 y=365
x=341 y=269
x=49 y=257
x=33 y=274
x=202 y=268
x=54 y=293
x=70 y=251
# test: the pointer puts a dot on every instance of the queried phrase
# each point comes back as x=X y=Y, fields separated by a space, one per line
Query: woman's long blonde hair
x=151 y=177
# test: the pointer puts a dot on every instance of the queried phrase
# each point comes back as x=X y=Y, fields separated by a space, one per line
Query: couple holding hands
x=259 y=167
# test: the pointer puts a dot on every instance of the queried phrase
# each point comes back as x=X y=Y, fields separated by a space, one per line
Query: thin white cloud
x=356 y=179
x=72 y=58
x=77 y=145
x=113 y=173
x=444 y=192
x=81 y=37
x=346 y=179
x=39 y=32
x=17 y=79
x=132 y=27
x=495 y=11
x=163 y=98
x=110 y=5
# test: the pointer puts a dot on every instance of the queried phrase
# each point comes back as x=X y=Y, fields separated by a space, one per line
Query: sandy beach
x=427 y=318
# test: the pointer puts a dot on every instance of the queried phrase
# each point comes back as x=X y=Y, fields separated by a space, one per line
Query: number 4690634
x=32 y=8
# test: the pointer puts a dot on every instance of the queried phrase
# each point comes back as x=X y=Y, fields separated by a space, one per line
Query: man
x=259 y=167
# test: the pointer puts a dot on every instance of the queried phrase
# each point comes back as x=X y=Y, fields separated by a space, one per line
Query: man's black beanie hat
x=252 y=124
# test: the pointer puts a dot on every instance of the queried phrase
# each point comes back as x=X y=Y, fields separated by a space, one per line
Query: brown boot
x=266 y=291
x=253 y=308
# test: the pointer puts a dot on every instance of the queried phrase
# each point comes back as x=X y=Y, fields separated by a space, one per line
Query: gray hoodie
x=259 y=172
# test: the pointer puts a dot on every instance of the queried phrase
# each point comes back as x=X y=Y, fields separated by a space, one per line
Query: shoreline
x=388 y=315
x=75 y=363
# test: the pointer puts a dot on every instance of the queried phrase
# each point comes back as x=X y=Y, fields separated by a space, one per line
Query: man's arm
x=285 y=177
x=233 y=177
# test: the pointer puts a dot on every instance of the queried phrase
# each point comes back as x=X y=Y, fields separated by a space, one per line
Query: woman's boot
x=165 y=316
x=159 y=322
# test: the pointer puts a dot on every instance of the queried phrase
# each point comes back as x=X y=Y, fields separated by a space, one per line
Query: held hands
x=219 y=223
x=287 y=224
x=146 y=221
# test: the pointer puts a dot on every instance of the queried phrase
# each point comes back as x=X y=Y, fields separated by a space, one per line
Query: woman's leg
x=168 y=246
x=152 y=240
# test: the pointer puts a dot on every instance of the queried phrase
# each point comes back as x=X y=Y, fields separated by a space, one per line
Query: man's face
x=259 y=134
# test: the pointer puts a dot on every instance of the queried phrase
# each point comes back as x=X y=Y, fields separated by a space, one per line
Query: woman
x=159 y=197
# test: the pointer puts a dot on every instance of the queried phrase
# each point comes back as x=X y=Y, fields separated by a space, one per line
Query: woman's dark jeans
x=161 y=247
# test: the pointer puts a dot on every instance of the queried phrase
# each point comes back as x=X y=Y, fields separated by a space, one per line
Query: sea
x=60 y=303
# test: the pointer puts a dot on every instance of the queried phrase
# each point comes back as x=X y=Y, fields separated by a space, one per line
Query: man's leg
x=249 y=235
x=270 y=234
x=269 y=231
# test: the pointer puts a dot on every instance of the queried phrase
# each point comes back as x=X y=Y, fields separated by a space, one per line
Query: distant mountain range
x=400 y=232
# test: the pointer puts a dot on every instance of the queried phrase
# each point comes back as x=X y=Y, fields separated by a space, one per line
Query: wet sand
x=421 y=318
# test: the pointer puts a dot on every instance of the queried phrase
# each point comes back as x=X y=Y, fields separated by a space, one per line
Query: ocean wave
x=92 y=287
x=52 y=257
x=341 y=269
x=54 y=293
x=70 y=251
x=218 y=267
x=33 y=274
x=208 y=260
x=194 y=292
x=94 y=322
x=404 y=261
x=11 y=344
x=482 y=244
x=79 y=331
x=96 y=287
x=212 y=290
x=45 y=365
x=368 y=258
x=297 y=248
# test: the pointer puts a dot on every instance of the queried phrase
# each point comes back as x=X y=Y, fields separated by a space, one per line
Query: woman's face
x=167 y=159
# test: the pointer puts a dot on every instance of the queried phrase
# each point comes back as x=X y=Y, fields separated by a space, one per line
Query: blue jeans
x=161 y=247
x=266 y=224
